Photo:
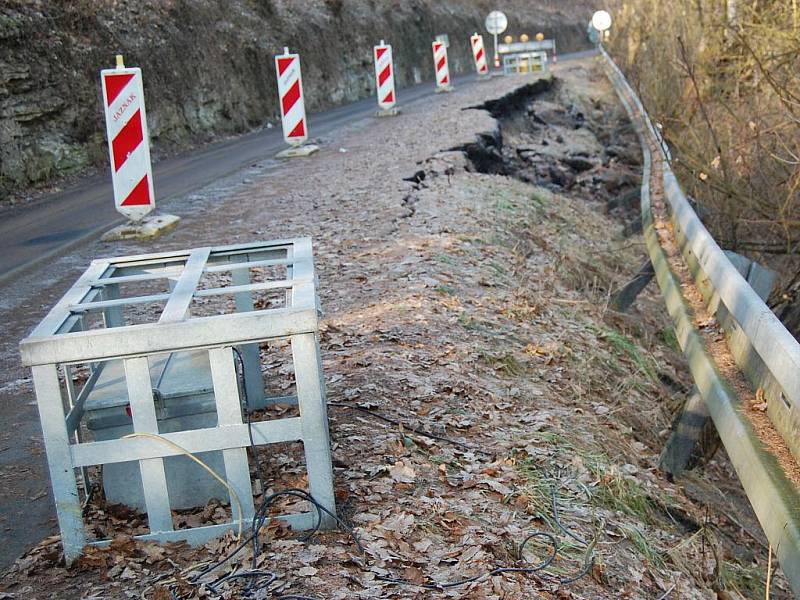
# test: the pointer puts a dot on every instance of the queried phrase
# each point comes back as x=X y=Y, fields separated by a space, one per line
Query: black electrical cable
x=498 y=571
x=554 y=502
x=589 y=558
x=432 y=436
x=260 y=579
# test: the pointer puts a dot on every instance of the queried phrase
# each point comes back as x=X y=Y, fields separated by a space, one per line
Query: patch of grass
x=620 y=493
x=651 y=554
x=611 y=490
x=668 y=336
x=446 y=259
x=445 y=290
x=539 y=200
x=504 y=362
x=623 y=346
x=748 y=581
x=499 y=269
x=505 y=203
x=467 y=322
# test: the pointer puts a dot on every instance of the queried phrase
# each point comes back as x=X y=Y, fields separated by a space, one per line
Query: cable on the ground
x=498 y=571
x=258 y=580
x=769 y=573
x=432 y=436
x=588 y=562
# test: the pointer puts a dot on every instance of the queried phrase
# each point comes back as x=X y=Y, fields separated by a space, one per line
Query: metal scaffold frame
x=62 y=340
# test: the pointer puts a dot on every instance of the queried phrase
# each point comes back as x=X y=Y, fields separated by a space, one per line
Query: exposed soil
x=468 y=306
x=550 y=138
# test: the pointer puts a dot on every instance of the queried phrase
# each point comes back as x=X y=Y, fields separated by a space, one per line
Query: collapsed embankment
x=208 y=66
x=469 y=307
x=568 y=143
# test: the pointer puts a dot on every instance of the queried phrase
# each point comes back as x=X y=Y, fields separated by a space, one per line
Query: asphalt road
x=32 y=233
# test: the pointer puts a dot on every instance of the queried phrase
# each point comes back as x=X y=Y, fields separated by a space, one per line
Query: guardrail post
x=622 y=300
x=687 y=433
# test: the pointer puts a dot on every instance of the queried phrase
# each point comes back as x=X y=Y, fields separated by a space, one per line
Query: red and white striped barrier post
x=479 y=55
x=384 y=80
x=293 y=108
x=128 y=141
x=442 y=69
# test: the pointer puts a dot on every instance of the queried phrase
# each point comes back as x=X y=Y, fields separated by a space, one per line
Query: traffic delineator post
x=129 y=153
x=479 y=54
x=128 y=140
x=292 y=103
x=442 y=69
x=384 y=80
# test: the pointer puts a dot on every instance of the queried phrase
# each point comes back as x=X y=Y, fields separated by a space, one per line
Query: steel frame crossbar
x=62 y=340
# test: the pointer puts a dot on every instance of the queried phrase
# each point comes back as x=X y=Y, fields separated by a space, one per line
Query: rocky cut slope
x=208 y=65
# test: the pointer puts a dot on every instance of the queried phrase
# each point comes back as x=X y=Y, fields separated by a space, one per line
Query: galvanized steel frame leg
x=229 y=412
x=76 y=436
x=313 y=413
x=113 y=316
x=254 y=382
x=59 y=460
x=154 y=478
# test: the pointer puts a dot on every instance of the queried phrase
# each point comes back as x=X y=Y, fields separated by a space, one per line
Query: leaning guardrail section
x=765 y=351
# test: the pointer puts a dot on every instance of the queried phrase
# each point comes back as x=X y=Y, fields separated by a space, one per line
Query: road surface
x=32 y=233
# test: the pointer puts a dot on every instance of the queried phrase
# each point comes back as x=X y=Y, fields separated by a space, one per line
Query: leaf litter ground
x=469 y=311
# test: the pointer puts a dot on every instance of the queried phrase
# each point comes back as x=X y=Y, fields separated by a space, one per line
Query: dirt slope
x=208 y=65
x=470 y=306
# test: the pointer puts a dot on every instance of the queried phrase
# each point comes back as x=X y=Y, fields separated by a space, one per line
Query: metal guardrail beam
x=777 y=349
x=774 y=498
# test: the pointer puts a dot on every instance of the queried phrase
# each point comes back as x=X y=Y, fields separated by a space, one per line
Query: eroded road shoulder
x=464 y=273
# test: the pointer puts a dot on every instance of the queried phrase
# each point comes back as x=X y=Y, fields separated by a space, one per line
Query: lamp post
x=601 y=21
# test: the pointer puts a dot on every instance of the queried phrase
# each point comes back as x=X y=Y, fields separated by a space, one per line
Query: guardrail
x=761 y=346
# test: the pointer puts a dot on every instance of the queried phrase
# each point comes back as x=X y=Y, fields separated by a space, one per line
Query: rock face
x=208 y=65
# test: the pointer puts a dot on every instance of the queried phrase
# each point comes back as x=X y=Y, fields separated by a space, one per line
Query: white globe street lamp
x=601 y=20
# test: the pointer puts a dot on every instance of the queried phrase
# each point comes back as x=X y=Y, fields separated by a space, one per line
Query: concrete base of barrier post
x=295 y=151
x=148 y=228
x=391 y=112
x=442 y=90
